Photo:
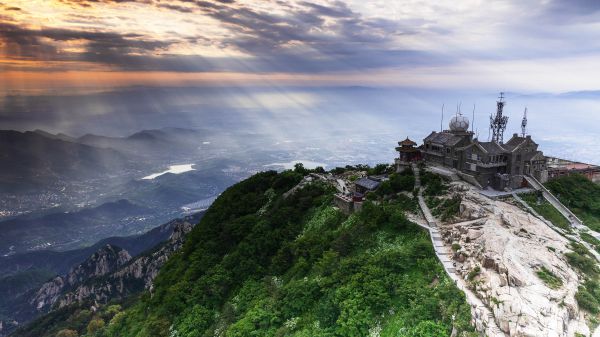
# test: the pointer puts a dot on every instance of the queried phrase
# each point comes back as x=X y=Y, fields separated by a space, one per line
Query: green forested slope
x=580 y=195
x=259 y=264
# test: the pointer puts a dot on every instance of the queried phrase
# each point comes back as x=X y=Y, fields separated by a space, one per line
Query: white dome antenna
x=459 y=123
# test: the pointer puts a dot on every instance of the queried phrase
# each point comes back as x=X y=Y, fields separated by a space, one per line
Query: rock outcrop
x=102 y=262
x=501 y=250
x=108 y=274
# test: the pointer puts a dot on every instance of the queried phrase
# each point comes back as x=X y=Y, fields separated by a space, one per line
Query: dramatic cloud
x=70 y=65
x=422 y=42
x=297 y=38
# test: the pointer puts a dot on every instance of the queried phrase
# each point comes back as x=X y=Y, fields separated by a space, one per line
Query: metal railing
x=552 y=199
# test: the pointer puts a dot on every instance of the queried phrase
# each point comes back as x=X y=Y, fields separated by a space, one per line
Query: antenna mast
x=498 y=122
x=473 y=120
x=524 y=123
x=442 y=121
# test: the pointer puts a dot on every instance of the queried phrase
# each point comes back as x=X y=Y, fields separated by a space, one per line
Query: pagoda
x=409 y=153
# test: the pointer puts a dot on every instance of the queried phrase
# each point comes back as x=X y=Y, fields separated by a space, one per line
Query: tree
x=299 y=168
x=378 y=169
x=67 y=333
x=95 y=325
x=427 y=329
x=402 y=182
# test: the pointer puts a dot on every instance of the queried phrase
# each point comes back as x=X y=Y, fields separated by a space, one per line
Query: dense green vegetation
x=582 y=260
x=588 y=296
x=433 y=183
x=75 y=320
x=259 y=264
x=434 y=189
x=583 y=198
x=398 y=182
x=549 y=278
x=545 y=209
x=580 y=195
x=376 y=170
x=444 y=208
x=589 y=238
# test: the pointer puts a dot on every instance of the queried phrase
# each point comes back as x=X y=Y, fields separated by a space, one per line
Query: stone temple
x=495 y=164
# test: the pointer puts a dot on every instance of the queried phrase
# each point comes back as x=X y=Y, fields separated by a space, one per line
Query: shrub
x=587 y=237
x=67 y=333
x=546 y=210
x=434 y=183
x=579 y=194
x=402 y=182
x=549 y=278
x=583 y=263
x=586 y=300
x=474 y=273
x=95 y=325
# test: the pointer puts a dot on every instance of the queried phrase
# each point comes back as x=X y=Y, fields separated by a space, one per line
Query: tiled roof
x=444 y=138
x=492 y=147
x=407 y=142
x=367 y=183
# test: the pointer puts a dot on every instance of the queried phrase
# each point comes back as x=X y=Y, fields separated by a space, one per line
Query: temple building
x=408 y=154
x=494 y=164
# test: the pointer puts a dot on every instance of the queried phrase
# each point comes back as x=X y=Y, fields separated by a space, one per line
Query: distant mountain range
x=164 y=143
x=33 y=160
x=39 y=159
x=59 y=262
x=112 y=268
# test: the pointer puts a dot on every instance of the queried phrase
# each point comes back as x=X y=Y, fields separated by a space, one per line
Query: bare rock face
x=102 y=262
x=109 y=273
x=502 y=248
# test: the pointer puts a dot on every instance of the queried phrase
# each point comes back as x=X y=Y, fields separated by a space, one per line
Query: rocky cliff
x=109 y=273
x=137 y=275
x=515 y=263
x=106 y=260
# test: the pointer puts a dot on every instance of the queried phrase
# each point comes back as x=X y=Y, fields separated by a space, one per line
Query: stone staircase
x=482 y=315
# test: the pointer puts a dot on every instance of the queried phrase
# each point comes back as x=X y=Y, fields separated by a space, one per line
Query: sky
x=115 y=66
x=546 y=45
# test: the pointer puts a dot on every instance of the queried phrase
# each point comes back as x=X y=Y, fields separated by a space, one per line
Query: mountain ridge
x=107 y=272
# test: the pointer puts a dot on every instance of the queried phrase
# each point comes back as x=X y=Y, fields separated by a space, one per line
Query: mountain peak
x=102 y=262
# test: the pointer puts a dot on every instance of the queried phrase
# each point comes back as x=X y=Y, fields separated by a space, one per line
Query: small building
x=348 y=203
x=344 y=202
x=365 y=185
x=561 y=167
x=409 y=154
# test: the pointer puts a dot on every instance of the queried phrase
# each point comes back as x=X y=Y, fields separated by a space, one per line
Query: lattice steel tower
x=524 y=123
x=498 y=122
